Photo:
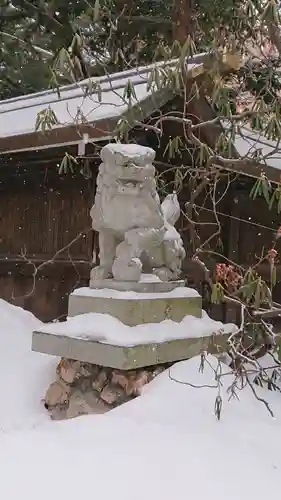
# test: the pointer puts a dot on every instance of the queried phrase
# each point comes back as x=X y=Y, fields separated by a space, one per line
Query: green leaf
x=38 y=122
x=203 y=154
x=273 y=276
x=217 y=295
x=122 y=129
x=188 y=49
x=97 y=10
x=129 y=91
x=257 y=123
x=266 y=294
x=62 y=166
x=273 y=129
x=150 y=80
x=271 y=12
x=75 y=44
x=67 y=164
x=99 y=92
x=250 y=9
x=279 y=205
x=257 y=296
x=272 y=200
x=176 y=49
x=214 y=295
x=247 y=291
x=265 y=189
x=253 y=190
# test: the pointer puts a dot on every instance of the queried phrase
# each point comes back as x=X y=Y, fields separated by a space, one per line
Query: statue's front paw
x=163 y=273
x=100 y=273
x=127 y=270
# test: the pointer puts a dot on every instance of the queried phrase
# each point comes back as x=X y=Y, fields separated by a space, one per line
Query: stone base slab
x=147 y=284
x=136 y=309
x=126 y=358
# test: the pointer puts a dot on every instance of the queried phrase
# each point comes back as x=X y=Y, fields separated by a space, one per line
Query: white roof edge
x=27 y=107
x=253 y=135
x=50 y=97
x=53 y=146
x=32 y=99
x=114 y=76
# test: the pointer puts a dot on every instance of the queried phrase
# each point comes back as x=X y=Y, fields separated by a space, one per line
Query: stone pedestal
x=133 y=308
x=96 y=374
x=127 y=326
x=123 y=357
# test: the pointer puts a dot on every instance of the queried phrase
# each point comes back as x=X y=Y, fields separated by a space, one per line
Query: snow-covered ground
x=167 y=444
x=24 y=375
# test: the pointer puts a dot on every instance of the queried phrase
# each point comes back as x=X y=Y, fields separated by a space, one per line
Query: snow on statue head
x=136 y=232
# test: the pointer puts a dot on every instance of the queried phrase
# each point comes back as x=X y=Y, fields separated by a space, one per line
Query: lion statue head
x=126 y=194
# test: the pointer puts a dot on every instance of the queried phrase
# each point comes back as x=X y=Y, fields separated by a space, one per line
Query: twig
x=37 y=269
x=262 y=400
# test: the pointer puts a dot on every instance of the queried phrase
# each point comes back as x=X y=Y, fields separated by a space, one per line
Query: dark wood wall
x=248 y=231
x=40 y=214
x=251 y=234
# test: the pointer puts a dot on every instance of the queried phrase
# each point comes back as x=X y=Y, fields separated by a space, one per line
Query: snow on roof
x=18 y=115
x=249 y=142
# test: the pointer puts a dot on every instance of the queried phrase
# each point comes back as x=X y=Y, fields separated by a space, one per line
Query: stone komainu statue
x=136 y=231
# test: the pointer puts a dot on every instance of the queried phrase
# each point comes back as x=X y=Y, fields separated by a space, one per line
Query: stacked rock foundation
x=84 y=388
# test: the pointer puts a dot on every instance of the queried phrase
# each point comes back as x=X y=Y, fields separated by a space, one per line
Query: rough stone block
x=137 y=308
x=57 y=395
x=126 y=358
x=85 y=404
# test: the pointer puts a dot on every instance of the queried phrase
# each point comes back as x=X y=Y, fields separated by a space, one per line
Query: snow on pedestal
x=134 y=308
x=105 y=340
x=106 y=363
